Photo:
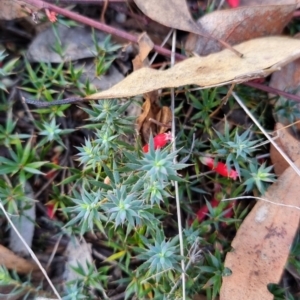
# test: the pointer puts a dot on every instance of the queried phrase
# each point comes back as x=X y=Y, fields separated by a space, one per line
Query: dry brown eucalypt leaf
x=153 y=117
x=239 y=25
x=176 y=14
x=262 y=57
x=262 y=244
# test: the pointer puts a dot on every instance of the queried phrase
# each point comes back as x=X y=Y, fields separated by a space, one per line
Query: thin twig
x=185 y=159
x=193 y=253
x=263 y=199
x=229 y=92
x=31 y=118
x=259 y=86
x=118 y=297
x=56 y=102
x=247 y=111
x=272 y=90
x=162 y=44
x=104 y=8
x=180 y=230
x=53 y=252
x=98 y=25
x=159 y=123
x=104 y=258
x=30 y=251
x=85 y=1
x=156 y=274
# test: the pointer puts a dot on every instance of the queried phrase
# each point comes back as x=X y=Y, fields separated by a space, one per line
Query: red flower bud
x=51 y=210
x=220 y=168
x=159 y=141
x=51 y=15
x=233 y=3
x=202 y=212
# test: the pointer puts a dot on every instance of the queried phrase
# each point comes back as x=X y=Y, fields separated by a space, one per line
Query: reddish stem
x=98 y=25
x=115 y=5
x=296 y=14
x=272 y=90
x=85 y=1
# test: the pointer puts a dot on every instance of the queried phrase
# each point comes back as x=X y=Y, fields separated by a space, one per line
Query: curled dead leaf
x=152 y=113
x=13 y=262
x=15 y=9
x=238 y=25
x=145 y=46
x=150 y=110
x=173 y=14
x=164 y=117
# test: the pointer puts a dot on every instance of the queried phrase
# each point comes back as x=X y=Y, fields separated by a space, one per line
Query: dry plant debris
x=261 y=246
x=288 y=143
x=15 y=9
x=261 y=57
x=152 y=111
x=13 y=262
x=238 y=25
x=99 y=196
x=173 y=14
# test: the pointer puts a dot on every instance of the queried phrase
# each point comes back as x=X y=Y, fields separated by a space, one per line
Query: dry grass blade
x=180 y=229
x=288 y=160
x=31 y=253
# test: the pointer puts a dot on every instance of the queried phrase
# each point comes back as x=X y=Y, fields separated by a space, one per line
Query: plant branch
x=272 y=90
x=98 y=25
x=85 y=1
